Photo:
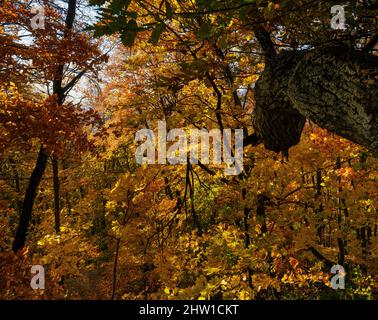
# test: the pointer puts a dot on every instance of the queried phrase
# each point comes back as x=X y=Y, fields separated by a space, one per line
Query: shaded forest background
x=73 y=199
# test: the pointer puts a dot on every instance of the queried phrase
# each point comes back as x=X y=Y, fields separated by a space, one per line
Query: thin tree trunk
x=247 y=238
x=56 y=183
x=30 y=195
x=35 y=179
x=340 y=240
x=59 y=91
x=67 y=194
x=320 y=226
x=15 y=174
x=118 y=244
x=115 y=269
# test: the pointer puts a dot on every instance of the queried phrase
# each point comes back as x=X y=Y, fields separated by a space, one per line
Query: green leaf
x=168 y=9
x=243 y=13
x=97 y=2
x=205 y=30
x=116 y=5
x=99 y=31
x=156 y=33
x=129 y=33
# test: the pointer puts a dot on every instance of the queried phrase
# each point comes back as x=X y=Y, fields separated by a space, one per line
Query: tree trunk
x=336 y=88
x=40 y=166
x=56 y=184
x=60 y=93
x=31 y=193
x=277 y=124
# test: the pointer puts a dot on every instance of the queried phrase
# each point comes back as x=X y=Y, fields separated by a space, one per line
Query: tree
x=301 y=81
x=62 y=56
x=187 y=231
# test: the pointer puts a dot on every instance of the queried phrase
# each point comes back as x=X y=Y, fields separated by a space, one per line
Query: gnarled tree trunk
x=336 y=88
x=277 y=124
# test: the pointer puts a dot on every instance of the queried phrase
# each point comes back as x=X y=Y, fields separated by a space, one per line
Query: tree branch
x=265 y=41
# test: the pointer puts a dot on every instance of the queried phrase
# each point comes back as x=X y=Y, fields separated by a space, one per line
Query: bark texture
x=277 y=124
x=336 y=88
x=31 y=193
